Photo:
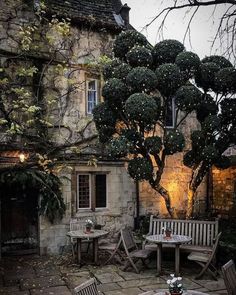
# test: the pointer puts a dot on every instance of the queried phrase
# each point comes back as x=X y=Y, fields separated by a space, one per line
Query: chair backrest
x=127 y=239
x=87 y=288
x=202 y=232
x=229 y=275
x=215 y=246
x=77 y=224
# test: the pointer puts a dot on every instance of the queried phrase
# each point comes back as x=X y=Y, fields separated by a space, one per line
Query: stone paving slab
x=128 y=275
x=129 y=291
x=61 y=290
x=140 y=282
x=73 y=281
x=212 y=285
x=108 y=287
x=41 y=282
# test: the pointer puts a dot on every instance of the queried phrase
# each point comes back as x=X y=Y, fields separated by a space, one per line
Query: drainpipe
x=136 y=224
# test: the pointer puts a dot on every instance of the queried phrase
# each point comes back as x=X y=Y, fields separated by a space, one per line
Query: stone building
x=104 y=191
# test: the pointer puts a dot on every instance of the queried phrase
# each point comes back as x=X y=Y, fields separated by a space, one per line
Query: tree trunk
x=191 y=193
x=165 y=194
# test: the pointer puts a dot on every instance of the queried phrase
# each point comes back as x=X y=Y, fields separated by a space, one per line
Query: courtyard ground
x=48 y=275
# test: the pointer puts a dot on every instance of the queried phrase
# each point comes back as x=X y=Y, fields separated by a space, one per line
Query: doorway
x=19 y=220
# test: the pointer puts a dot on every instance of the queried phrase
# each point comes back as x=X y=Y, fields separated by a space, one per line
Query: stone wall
x=224 y=192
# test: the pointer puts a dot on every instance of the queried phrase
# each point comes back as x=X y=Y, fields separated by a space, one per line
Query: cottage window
x=92 y=94
x=91 y=191
x=170 y=113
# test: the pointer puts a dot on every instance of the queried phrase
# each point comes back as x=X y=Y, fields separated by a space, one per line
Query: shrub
x=139 y=56
x=188 y=62
x=205 y=76
x=140 y=169
x=187 y=98
x=221 y=61
x=174 y=142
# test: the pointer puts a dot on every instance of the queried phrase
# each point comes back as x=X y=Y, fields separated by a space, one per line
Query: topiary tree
x=139 y=85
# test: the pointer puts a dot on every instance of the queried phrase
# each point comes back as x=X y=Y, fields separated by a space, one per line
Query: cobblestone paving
x=34 y=275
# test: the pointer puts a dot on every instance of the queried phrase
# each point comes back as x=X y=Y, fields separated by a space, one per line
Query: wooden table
x=80 y=235
x=187 y=292
x=177 y=240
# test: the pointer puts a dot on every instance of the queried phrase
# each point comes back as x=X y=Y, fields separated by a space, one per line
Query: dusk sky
x=203 y=27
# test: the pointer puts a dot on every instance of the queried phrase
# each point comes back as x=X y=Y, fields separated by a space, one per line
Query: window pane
x=83 y=191
x=91 y=96
x=101 y=191
x=92 y=85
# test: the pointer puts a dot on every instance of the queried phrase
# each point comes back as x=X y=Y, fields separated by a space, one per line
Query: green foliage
x=188 y=62
x=105 y=133
x=205 y=75
x=221 y=61
x=140 y=169
x=207 y=107
x=225 y=80
x=222 y=162
x=174 y=142
x=108 y=69
x=187 y=98
x=198 y=140
x=211 y=123
x=121 y=71
x=228 y=111
x=168 y=78
x=118 y=147
x=103 y=115
x=166 y=51
x=141 y=79
x=210 y=154
x=139 y=56
x=114 y=92
x=153 y=144
x=141 y=108
x=48 y=186
x=127 y=40
x=189 y=159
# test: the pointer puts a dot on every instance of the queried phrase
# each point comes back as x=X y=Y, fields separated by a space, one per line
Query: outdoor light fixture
x=22 y=157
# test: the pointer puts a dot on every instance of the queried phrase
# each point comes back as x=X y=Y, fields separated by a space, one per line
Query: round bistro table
x=94 y=235
x=176 y=240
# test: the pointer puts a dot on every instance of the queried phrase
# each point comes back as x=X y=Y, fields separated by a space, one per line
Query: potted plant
x=168 y=232
x=88 y=225
x=175 y=285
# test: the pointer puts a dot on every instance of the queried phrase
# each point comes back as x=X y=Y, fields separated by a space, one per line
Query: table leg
x=79 y=251
x=177 y=259
x=95 y=250
x=159 y=250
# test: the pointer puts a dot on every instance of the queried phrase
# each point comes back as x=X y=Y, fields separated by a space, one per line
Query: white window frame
x=90 y=191
x=87 y=94
x=173 y=113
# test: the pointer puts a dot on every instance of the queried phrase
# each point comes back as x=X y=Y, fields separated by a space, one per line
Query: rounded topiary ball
x=221 y=61
x=108 y=69
x=187 y=98
x=141 y=108
x=103 y=115
x=207 y=107
x=114 y=92
x=174 y=142
x=189 y=159
x=228 y=111
x=141 y=79
x=211 y=123
x=225 y=80
x=188 y=62
x=210 y=153
x=222 y=162
x=168 y=78
x=127 y=40
x=140 y=169
x=166 y=51
x=205 y=76
x=118 y=147
x=153 y=144
x=139 y=56
x=121 y=71
x=198 y=139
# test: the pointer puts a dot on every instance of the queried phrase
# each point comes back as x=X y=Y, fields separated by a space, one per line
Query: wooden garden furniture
x=202 y=232
x=229 y=276
x=131 y=249
x=161 y=240
x=206 y=260
x=87 y=288
x=113 y=249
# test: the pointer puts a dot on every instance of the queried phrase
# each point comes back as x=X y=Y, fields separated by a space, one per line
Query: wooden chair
x=132 y=251
x=206 y=260
x=113 y=249
x=229 y=276
x=87 y=288
x=77 y=224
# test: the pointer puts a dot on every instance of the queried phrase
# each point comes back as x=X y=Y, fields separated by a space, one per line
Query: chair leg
x=205 y=267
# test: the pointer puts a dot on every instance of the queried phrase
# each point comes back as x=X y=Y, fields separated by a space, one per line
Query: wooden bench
x=202 y=232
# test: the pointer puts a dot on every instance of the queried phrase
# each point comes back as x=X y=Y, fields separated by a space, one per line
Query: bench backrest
x=202 y=232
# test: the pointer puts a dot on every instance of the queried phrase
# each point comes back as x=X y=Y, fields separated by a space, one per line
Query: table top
x=81 y=234
x=174 y=239
x=187 y=292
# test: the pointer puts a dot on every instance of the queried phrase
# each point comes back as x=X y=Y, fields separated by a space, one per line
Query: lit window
x=91 y=191
x=170 y=113
x=92 y=95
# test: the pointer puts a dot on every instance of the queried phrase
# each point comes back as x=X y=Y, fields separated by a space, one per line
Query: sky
x=203 y=26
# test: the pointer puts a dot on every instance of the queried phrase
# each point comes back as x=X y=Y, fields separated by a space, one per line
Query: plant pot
x=168 y=233
x=88 y=229
x=176 y=293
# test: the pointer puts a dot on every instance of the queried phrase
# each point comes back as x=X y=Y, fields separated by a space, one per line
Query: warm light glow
x=22 y=157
